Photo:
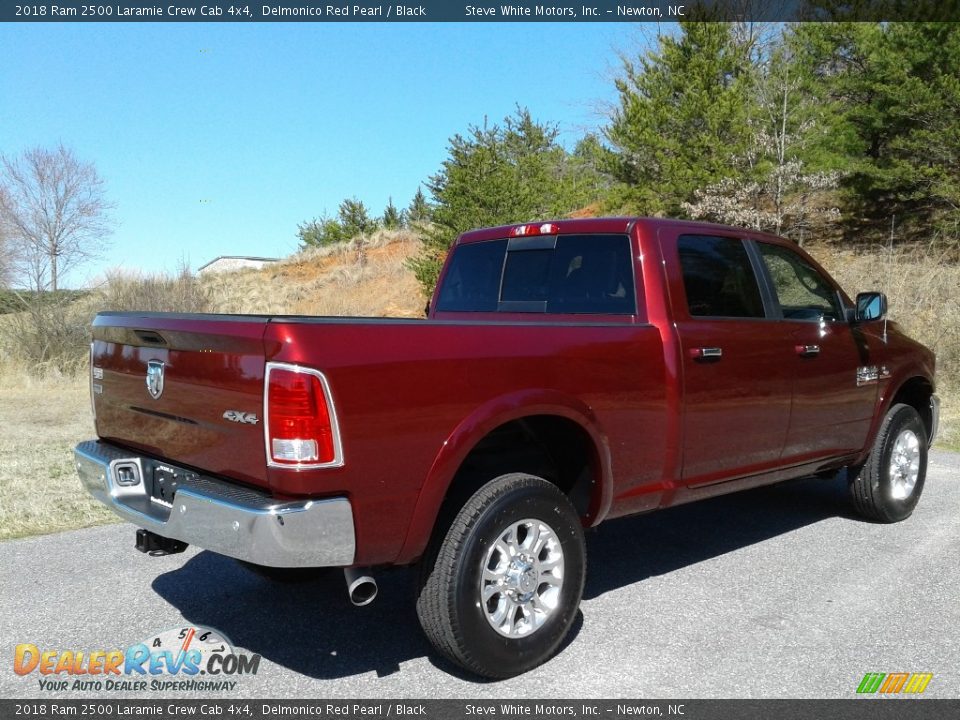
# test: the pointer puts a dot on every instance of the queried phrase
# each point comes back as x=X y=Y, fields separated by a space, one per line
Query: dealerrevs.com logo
x=194 y=659
x=894 y=683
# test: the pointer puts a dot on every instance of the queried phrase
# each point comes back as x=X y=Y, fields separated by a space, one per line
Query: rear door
x=735 y=364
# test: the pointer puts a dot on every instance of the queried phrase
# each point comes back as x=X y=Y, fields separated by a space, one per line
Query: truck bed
x=407 y=394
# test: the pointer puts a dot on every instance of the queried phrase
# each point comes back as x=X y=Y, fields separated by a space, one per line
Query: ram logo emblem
x=155 y=378
x=240 y=417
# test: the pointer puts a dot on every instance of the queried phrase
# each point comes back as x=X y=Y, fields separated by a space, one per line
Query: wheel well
x=916 y=393
x=549 y=446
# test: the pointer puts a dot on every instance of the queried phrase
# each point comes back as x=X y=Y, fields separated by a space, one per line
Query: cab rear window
x=575 y=274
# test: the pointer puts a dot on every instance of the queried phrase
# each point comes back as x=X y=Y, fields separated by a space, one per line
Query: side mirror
x=871 y=306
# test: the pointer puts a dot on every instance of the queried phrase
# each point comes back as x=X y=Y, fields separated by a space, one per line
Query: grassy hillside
x=367 y=279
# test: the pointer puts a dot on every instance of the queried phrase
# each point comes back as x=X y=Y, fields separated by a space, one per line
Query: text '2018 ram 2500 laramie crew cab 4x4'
x=568 y=372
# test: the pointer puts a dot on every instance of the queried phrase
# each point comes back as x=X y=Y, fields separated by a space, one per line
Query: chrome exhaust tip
x=361 y=588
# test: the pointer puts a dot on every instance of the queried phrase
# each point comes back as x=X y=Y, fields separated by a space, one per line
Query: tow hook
x=157 y=545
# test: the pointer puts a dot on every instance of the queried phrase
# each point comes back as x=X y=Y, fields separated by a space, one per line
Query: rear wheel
x=888 y=485
x=500 y=590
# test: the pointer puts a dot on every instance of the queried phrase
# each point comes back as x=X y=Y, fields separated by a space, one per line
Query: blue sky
x=218 y=139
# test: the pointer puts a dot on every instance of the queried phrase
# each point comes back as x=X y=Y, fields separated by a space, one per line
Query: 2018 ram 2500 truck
x=569 y=372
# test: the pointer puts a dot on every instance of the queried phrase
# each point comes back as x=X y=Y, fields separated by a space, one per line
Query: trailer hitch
x=157 y=545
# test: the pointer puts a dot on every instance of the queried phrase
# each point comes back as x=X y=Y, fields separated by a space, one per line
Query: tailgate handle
x=149 y=336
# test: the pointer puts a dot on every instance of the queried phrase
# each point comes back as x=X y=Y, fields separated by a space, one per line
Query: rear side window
x=472 y=282
x=718 y=278
x=590 y=274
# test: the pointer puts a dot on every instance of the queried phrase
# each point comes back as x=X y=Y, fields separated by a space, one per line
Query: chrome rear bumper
x=220 y=516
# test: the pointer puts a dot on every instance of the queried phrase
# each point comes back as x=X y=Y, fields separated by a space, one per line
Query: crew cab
x=568 y=372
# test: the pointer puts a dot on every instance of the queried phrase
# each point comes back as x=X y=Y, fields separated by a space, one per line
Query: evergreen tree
x=319 y=232
x=895 y=90
x=419 y=211
x=355 y=219
x=393 y=219
x=682 y=117
x=496 y=175
x=589 y=170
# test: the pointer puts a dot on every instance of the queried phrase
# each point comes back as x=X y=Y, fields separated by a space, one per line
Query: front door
x=834 y=386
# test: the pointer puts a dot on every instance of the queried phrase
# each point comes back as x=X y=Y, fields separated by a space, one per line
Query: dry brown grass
x=42 y=419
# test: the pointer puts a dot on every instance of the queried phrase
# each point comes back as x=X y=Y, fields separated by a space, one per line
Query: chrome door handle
x=706 y=353
x=807 y=350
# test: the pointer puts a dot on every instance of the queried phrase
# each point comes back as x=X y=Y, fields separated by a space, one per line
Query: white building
x=228 y=263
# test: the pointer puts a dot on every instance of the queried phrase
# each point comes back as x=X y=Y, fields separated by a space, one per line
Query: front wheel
x=888 y=485
x=500 y=590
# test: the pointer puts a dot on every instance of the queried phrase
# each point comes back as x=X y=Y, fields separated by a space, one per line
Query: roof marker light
x=544 y=229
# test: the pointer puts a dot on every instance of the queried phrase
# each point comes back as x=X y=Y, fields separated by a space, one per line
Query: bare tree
x=6 y=252
x=5 y=258
x=54 y=213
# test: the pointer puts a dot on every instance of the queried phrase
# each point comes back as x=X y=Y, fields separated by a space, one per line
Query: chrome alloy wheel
x=522 y=577
x=904 y=464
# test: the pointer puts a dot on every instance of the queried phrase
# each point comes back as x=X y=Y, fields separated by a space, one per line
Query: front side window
x=802 y=291
x=718 y=278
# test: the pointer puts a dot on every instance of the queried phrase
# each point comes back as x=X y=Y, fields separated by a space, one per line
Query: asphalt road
x=778 y=592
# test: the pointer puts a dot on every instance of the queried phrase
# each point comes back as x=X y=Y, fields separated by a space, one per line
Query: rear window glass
x=526 y=276
x=718 y=278
x=590 y=274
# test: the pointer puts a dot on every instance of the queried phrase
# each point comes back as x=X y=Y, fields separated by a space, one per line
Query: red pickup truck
x=569 y=372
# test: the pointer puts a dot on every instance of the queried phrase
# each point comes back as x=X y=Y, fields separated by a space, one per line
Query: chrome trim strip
x=227 y=519
x=868 y=375
x=331 y=410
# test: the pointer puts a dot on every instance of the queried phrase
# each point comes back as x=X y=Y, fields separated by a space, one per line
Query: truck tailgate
x=207 y=413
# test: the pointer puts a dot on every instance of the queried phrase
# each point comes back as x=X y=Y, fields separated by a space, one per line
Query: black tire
x=879 y=494
x=450 y=605
x=285 y=575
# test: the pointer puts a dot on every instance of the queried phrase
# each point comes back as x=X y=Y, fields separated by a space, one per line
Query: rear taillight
x=301 y=425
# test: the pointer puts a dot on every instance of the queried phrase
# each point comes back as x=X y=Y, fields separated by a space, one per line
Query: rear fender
x=479 y=424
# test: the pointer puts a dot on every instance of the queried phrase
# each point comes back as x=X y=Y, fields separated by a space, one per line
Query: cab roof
x=605 y=225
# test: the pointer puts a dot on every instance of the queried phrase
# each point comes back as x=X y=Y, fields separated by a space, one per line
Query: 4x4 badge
x=155 y=378
x=240 y=417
